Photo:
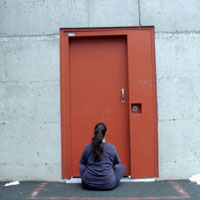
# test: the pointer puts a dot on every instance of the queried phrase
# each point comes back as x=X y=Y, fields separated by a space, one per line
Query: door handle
x=123 y=95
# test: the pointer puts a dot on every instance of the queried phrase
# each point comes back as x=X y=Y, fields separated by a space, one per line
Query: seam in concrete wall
x=10 y=81
x=32 y=123
x=35 y=164
x=139 y=12
x=29 y=37
x=167 y=120
x=57 y=36
x=177 y=32
x=88 y=12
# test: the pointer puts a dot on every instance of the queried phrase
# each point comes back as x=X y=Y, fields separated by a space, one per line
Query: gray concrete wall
x=30 y=136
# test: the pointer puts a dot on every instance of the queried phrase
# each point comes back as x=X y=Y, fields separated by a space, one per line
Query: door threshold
x=129 y=179
x=73 y=180
x=125 y=179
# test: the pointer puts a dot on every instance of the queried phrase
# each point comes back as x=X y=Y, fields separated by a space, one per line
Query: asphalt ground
x=163 y=190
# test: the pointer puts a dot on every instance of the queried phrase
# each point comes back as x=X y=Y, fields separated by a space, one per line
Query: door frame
x=65 y=34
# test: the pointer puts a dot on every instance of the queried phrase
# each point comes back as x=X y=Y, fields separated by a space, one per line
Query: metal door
x=98 y=81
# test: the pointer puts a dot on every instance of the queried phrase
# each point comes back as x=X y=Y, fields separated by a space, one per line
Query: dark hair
x=97 y=146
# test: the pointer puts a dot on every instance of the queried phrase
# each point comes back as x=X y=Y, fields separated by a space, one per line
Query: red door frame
x=65 y=33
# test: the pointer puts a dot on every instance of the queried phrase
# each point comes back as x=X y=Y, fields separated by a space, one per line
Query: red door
x=98 y=77
x=99 y=69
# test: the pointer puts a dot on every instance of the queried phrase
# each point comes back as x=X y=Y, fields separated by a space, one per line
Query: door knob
x=123 y=95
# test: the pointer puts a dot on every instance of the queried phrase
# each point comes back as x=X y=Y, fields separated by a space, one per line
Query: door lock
x=135 y=108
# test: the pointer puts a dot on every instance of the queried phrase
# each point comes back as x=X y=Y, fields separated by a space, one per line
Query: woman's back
x=99 y=162
x=100 y=173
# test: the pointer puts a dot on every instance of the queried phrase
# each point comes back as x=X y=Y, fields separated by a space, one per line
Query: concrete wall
x=30 y=136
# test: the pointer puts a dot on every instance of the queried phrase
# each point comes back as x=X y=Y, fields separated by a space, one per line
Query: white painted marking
x=195 y=178
x=12 y=183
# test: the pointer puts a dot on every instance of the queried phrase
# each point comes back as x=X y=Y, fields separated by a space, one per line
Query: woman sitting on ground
x=100 y=168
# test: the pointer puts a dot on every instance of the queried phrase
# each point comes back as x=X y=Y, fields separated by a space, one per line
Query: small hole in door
x=136 y=108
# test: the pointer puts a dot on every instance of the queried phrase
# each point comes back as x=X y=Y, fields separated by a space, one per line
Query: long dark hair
x=99 y=134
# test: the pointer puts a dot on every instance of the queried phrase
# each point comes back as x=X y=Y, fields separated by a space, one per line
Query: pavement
x=163 y=190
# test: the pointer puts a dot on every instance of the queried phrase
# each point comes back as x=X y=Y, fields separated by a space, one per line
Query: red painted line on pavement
x=180 y=190
x=37 y=191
